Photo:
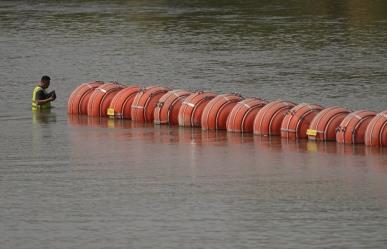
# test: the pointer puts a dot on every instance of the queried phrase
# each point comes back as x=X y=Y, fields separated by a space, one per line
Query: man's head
x=45 y=81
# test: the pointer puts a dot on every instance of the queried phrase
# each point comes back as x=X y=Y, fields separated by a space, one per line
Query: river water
x=77 y=182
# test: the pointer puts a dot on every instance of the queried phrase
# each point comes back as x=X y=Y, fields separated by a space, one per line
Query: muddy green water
x=76 y=182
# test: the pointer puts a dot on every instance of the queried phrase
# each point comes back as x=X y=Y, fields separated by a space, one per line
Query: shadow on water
x=43 y=117
x=127 y=129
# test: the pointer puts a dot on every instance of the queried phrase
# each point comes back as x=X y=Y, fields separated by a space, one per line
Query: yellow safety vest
x=35 y=105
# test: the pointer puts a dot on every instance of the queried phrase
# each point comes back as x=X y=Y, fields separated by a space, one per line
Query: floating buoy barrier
x=100 y=99
x=268 y=120
x=376 y=132
x=297 y=120
x=353 y=127
x=190 y=113
x=145 y=102
x=231 y=112
x=167 y=109
x=241 y=118
x=215 y=113
x=324 y=124
x=79 y=98
x=120 y=106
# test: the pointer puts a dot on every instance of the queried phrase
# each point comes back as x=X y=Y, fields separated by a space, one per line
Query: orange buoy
x=353 y=127
x=100 y=99
x=376 y=132
x=145 y=103
x=167 y=109
x=215 y=113
x=298 y=119
x=268 y=120
x=241 y=118
x=79 y=98
x=190 y=113
x=324 y=124
x=121 y=104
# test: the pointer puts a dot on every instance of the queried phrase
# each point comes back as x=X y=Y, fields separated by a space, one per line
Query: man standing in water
x=41 y=100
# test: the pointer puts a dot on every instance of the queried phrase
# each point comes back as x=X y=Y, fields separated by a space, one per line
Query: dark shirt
x=42 y=95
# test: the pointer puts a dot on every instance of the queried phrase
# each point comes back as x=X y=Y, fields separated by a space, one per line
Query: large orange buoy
x=268 y=120
x=145 y=103
x=324 y=124
x=79 y=98
x=121 y=104
x=376 y=132
x=352 y=129
x=241 y=118
x=215 y=113
x=298 y=119
x=167 y=109
x=190 y=113
x=101 y=97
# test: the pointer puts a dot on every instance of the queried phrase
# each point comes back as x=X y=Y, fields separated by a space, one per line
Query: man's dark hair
x=45 y=78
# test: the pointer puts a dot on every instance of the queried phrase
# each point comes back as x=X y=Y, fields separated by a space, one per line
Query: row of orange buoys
x=229 y=111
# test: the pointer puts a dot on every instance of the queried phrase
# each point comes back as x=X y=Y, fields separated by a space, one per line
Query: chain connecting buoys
x=121 y=104
x=79 y=98
x=297 y=120
x=190 y=113
x=353 y=127
x=324 y=124
x=376 y=132
x=215 y=113
x=241 y=118
x=268 y=120
x=145 y=102
x=101 y=97
x=167 y=109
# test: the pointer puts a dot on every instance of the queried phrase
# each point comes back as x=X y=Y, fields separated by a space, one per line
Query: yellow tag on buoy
x=110 y=111
x=311 y=132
